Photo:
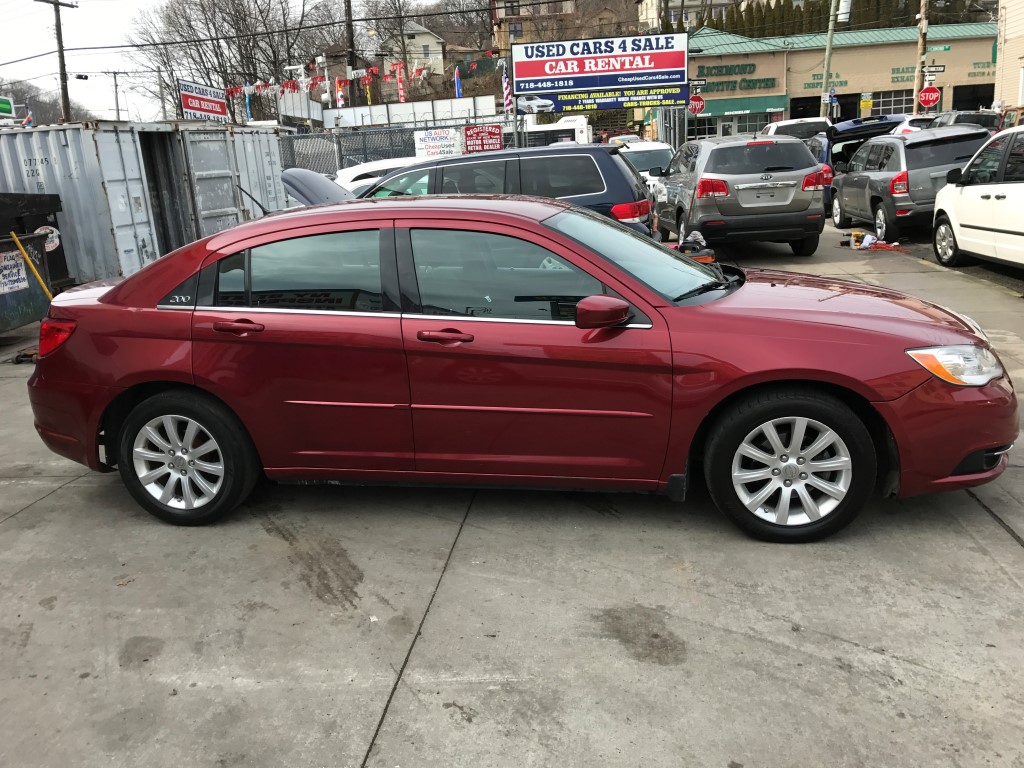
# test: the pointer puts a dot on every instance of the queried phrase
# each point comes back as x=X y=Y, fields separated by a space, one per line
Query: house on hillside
x=516 y=22
x=423 y=49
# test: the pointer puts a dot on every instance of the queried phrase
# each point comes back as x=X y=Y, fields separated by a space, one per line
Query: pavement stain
x=138 y=650
x=466 y=712
x=17 y=637
x=643 y=632
x=324 y=566
x=48 y=602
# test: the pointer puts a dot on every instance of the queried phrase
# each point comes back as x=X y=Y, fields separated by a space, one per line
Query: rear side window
x=956 y=149
x=473 y=178
x=982 y=119
x=560 y=176
x=759 y=158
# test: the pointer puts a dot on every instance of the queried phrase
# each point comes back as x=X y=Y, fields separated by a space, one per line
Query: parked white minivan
x=801 y=127
x=978 y=212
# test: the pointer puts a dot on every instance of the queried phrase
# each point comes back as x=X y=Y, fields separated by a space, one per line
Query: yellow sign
x=866 y=103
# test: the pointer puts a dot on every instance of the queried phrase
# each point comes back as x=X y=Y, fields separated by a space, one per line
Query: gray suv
x=892 y=180
x=737 y=189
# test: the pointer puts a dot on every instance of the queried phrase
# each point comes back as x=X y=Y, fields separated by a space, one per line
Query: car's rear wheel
x=806 y=247
x=947 y=252
x=186 y=458
x=839 y=218
x=790 y=465
x=886 y=229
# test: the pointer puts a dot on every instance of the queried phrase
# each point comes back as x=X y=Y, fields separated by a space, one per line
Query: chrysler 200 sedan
x=512 y=342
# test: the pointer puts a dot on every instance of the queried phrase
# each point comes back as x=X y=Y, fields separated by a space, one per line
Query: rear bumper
x=67 y=416
x=952 y=437
x=771 y=226
x=907 y=211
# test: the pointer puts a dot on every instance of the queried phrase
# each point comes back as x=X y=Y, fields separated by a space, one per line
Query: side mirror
x=954 y=176
x=601 y=312
x=842 y=167
x=656 y=171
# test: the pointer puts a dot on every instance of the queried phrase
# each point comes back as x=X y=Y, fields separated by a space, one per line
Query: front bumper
x=766 y=226
x=952 y=437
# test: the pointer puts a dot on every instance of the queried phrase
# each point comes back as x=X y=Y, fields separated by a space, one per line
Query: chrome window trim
x=285 y=311
x=521 y=321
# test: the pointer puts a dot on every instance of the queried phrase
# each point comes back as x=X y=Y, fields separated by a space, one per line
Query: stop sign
x=696 y=105
x=929 y=96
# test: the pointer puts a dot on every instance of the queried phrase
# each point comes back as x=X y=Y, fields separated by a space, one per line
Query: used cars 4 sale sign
x=202 y=102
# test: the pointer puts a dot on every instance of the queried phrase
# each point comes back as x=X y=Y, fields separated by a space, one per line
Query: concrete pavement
x=408 y=627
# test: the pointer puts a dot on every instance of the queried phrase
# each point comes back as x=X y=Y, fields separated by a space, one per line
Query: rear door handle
x=986 y=197
x=446 y=336
x=237 y=327
x=1000 y=197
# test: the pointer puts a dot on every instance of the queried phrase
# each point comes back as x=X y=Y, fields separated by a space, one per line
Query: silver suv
x=736 y=189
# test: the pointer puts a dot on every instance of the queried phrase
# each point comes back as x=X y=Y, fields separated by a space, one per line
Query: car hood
x=824 y=301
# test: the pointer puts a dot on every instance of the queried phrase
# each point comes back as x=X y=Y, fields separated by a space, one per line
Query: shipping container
x=131 y=192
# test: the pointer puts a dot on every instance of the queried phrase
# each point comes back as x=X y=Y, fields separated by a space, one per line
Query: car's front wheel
x=805 y=247
x=186 y=458
x=947 y=252
x=791 y=465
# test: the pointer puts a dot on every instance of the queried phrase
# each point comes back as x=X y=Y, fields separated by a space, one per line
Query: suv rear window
x=956 y=149
x=802 y=130
x=758 y=157
x=560 y=176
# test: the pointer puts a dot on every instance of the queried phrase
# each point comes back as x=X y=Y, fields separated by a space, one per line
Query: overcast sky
x=28 y=30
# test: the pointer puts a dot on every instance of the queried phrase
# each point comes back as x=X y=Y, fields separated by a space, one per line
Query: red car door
x=301 y=336
x=502 y=381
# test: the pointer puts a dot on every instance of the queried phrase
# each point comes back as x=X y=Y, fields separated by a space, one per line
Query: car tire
x=820 y=501
x=211 y=464
x=681 y=227
x=886 y=230
x=839 y=218
x=944 y=245
x=806 y=247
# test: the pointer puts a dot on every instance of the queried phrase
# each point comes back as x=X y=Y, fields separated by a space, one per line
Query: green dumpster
x=22 y=300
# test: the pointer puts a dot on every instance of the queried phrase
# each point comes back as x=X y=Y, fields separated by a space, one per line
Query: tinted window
x=645 y=159
x=184 y=295
x=1014 y=169
x=479 y=274
x=801 y=130
x=874 y=158
x=949 y=151
x=560 y=176
x=983 y=119
x=889 y=158
x=859 y=160
x=758 y=158
x=664 y=271
x=230 y=291
x=986 y=165
x=473 y=178
x=412 y=183
x=339 y=271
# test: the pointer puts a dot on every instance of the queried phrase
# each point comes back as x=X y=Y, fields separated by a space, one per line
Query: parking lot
x=399 y=627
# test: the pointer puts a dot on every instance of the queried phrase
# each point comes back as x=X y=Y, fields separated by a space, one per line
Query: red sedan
x=512 y=342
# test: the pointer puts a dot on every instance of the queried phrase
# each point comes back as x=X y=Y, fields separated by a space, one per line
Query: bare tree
x=459 y=22
x=44 y=105
x=241 y=50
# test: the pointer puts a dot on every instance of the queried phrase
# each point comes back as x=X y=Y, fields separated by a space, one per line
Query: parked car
x=594 y=176
x=489 y=342
x=839 y=143
x=978 y=212
x=912 y=124
x=891 y=181
x=355 y=178
x=532 y=104
x=733 y=189
x=986 y=118
x=801 y=127
x=644 y=155
x=626 y=138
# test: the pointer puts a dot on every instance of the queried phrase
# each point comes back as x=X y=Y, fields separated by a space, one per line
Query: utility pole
x=160 y=85
x=350 y=43
x=65 y=100
x=117 y=99
x=826 y=103
x=922 y=50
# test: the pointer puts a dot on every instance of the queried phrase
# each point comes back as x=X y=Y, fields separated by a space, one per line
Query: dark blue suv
x=593 y=176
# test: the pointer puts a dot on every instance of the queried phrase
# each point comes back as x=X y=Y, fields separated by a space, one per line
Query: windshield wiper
x=705 y=288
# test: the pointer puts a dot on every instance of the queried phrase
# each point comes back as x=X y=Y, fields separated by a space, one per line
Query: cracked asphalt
x=396 y=627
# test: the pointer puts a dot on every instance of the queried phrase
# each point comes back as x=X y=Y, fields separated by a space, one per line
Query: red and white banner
x=202 y=102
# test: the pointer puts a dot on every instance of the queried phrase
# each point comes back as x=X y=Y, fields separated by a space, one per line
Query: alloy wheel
x=880 y=223
x=837 y=211
x=178 y=462
x=944 y=242
x=792 y=471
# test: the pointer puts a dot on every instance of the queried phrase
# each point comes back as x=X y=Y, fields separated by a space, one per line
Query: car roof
x=797 y=120
x=373 y=165
x=632 y=146
x=946 y=131
x=509 y=207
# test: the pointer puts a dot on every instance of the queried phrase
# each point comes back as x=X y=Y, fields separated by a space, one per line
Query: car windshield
x=758 y=157
x=948 y=151
x=983 y=119
x=645 y=159
x=801 y=130
x=661 y=269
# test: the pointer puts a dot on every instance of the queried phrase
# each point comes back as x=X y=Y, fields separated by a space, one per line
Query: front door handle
x=237 y=327
x=1000 y=197
x=986 y=197
x=447 y=336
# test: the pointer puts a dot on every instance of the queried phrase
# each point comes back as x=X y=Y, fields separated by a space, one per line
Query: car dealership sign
x=202 y=102
x=602 y=64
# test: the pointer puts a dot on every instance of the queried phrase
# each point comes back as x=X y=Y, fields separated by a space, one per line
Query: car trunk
x=928 y=162
x=763 y=177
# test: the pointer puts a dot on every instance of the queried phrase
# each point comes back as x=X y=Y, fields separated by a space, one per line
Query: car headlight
x=963 y=365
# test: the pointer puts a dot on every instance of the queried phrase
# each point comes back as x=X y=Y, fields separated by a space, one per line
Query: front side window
x=412 y=183
x=560 y=176
x=480 y=274
x=334 y=272
x=1013 y=171
x=985 y=166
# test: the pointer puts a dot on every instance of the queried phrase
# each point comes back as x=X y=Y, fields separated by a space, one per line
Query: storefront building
x=751 y=82
x=1010 y=66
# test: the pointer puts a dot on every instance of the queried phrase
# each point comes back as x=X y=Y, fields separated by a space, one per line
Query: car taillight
x=632 y=213
x=53 y=333
x=900 y=184
x=814 y=182
x=712 y=188
x=827 y=175
x=758 y=143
